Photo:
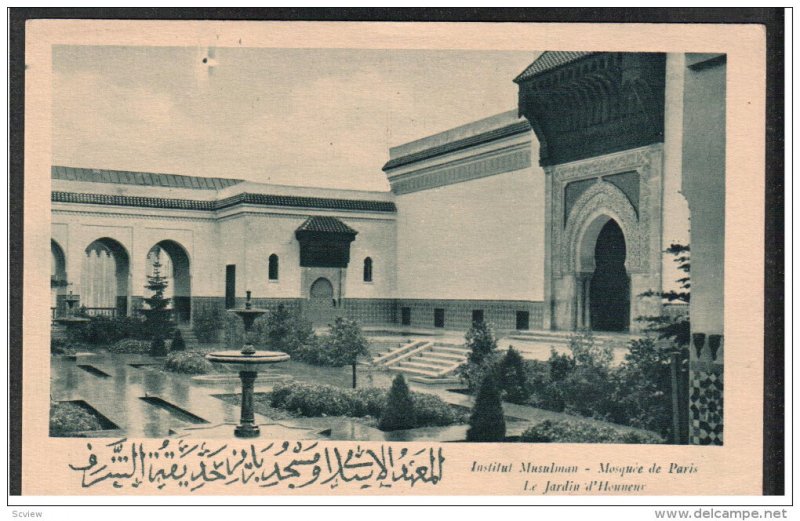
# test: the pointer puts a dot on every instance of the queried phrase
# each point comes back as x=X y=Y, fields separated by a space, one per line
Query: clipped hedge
x=326 y=400
x=569 y=431
x=188 y=362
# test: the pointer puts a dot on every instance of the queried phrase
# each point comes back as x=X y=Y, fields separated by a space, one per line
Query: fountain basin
x=247 y=362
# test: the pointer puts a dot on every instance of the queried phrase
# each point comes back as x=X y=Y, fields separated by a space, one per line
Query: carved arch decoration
x=646 y=162
x=601 y=200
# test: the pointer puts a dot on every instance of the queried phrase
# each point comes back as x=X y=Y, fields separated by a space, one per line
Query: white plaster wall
x=261 y=236
x=704 y=184
x=74 y=229
x=376 y=239
x=481 y=239
x=248 y=240
x=675 y=224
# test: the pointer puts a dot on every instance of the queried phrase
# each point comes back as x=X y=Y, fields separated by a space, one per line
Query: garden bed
x=77 y=418
x=366 y=405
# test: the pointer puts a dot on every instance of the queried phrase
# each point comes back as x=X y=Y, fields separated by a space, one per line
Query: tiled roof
x=324 y=224
x=92 y=175
x=255 y=199
x=308 y=202
x=510 y=130
x=549 y=60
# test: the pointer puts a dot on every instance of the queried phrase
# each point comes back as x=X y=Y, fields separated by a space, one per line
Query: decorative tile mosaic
x=706 y=406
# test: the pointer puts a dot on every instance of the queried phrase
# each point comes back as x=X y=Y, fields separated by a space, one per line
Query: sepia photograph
x=406 y=261
x=497 y=260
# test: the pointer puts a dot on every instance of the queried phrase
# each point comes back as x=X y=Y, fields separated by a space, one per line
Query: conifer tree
x=399 y=410
x=513 y=377
x=487 y=422
x=157 y=315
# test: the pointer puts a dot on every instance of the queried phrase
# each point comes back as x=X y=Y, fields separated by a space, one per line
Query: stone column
x=587 y=313
x=579 y=300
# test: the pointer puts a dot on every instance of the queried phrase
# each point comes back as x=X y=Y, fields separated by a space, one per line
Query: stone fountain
x=248 y=361
x=69 y=321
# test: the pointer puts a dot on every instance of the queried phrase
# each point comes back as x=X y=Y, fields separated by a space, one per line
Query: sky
x=308 y=117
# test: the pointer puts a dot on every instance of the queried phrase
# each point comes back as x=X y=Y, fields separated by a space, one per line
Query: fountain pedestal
x=70 y=322
x=248 y=361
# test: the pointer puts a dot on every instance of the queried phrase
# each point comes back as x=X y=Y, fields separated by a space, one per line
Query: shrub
x=234 y=330
x=344 y=344
x=178 y=343
x=569 y=431
x=586 y=352
x=481 y=341
x=545 y=390
x=130 y=346
x=430 y=410
x=513 y=377
x=326 y=400
x=487 y=422
x=207 y=322
x=368 y=401
x=188 y=362
x=158 y=347
x=67 y=418
x=399 y=411
x=645 y=386
x=473 y=373
x=102 y=330
x=560 y=366
x=60 y=346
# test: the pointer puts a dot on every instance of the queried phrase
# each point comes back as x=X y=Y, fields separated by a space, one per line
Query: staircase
x=561 y=338
x=425 y=361
x=188 y=335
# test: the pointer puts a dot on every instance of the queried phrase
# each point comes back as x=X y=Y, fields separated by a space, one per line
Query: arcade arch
x=105 y=278
x=176 y=267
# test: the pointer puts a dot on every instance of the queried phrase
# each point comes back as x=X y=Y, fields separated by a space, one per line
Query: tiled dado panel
x=365 y=311
x=706 y=390
x=502 y=314
x=371 y=311
x=199 y=303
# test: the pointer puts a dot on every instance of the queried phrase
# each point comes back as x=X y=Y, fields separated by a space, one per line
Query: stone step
x=437 y=380
x=459 y=351
x=433 y=361
x=445 y=357
x=412 y=370
x=563 y=337
x=419 y=365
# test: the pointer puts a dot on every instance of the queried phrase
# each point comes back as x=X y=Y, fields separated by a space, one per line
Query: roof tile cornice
x=499 y=133
x=246 y=198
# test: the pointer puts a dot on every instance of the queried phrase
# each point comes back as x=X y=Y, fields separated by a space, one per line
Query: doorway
x=322 y=304
x=230 y=286
x=609 y=291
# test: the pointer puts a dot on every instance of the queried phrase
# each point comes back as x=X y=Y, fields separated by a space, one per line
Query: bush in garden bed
x=569 y=431
x=60 y=346
x=130 y=346
x=188 y=362
x=318 y=400
x=208 y=319
x=67 y=418
x=105 y=331
x=432 y=411
x=399 y=412
x=487 y=422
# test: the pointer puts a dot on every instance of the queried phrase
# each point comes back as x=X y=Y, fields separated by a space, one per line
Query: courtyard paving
x=133 y=392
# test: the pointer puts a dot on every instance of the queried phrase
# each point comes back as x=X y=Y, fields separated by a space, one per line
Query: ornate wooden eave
x=588 y=104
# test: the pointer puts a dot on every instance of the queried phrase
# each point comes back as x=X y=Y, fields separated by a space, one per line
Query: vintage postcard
x=382 y=259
